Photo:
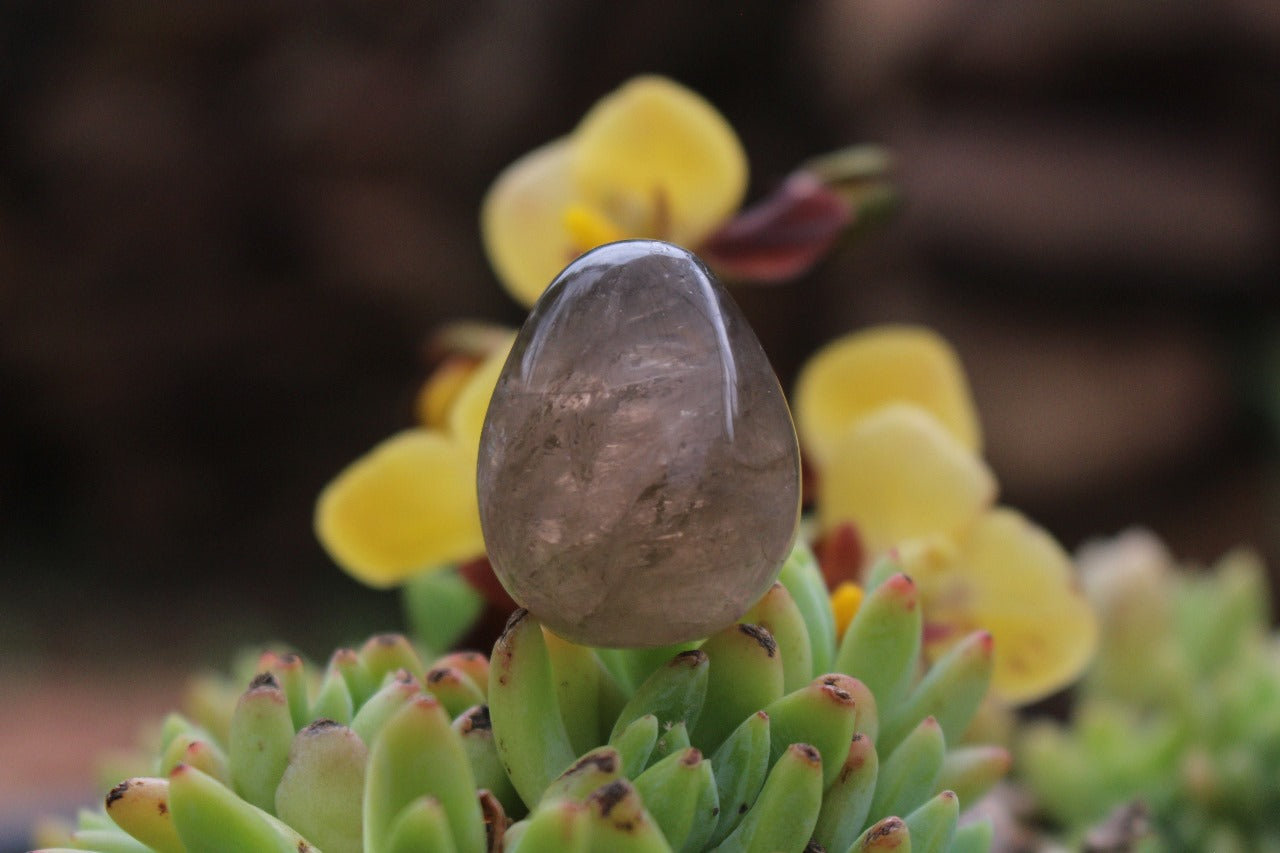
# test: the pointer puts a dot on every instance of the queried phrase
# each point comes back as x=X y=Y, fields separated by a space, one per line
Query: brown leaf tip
x=608 y=796
x=834 y=686
x=264 y=679
x=692 y=757
x=884 y=830
x=117 y=792
x=605 y=762
x=477 y=718
x=517 y=616
x=761 y=636
x=691 y=658
x=322 y=725
x=809 y=753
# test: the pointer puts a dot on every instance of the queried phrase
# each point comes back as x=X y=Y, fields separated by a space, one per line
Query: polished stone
x=639 y=479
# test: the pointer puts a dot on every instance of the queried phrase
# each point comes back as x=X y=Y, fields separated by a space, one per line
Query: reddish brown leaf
x=840 y=555
x=782 y=236
x=479 y=573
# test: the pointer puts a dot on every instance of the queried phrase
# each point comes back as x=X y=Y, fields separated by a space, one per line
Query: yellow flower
x=898 y=475
x=409 y=504
x=887 y=420
x=861 y=372
x=1010 y=577
x=652 y=159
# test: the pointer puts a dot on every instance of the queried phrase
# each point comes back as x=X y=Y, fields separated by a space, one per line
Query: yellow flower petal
x=406 y=506
x=659 y=161
x=898 y=475
x=857 y=374
x=589 y=227
x=437 y=394
x=522 y=221
x=846 y=599
x=1011 y=578
x=466 y=416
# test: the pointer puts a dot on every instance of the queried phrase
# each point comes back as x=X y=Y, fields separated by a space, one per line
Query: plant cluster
x=1177 y=713
x=773 y=734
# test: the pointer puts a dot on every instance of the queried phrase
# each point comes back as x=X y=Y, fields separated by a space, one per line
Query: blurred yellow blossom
x=899 y=475
x=652 y=159
x=409 y=504
x=1010 y=577
x=859 y=373
x=887 y=421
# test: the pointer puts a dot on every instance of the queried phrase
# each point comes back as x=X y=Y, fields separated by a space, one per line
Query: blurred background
x=227 y=229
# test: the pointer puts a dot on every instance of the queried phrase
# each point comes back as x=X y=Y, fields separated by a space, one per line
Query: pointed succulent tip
x=761 y=636
x=606 y=761
x=117 y=792
x=902 y=584
x=513 y=621
x=690 y=659
x=838 y=688
x=318 y=726
x=808 y=754
x=888 y=834
x=692 y=757
x=426 y=702
x=264 y=679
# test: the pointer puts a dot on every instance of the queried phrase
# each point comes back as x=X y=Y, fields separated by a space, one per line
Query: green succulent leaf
x=528 y=729
x=803 y=579
x=740 y=766
x=847 y=801
x=745 y=675
x=321 y=791
x=417 y=754
x=785 y=813
x=778 y=613
x=909 y=775
x=673 y=693
x=881 y=646
x=261 y=732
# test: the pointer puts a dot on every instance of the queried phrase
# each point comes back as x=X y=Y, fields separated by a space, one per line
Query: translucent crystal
x=639 y=478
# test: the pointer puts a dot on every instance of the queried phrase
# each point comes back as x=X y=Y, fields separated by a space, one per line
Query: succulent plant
x=769 y=735
x=1177 y=714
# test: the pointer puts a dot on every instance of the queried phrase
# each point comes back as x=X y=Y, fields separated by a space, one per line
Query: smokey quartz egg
x=639 y=477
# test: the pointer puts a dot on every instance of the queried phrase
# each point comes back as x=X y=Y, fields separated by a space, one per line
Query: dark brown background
x=226 y=228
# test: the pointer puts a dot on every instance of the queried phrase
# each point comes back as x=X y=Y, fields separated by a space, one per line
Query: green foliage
x=1179 y=710
x=548 y=746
